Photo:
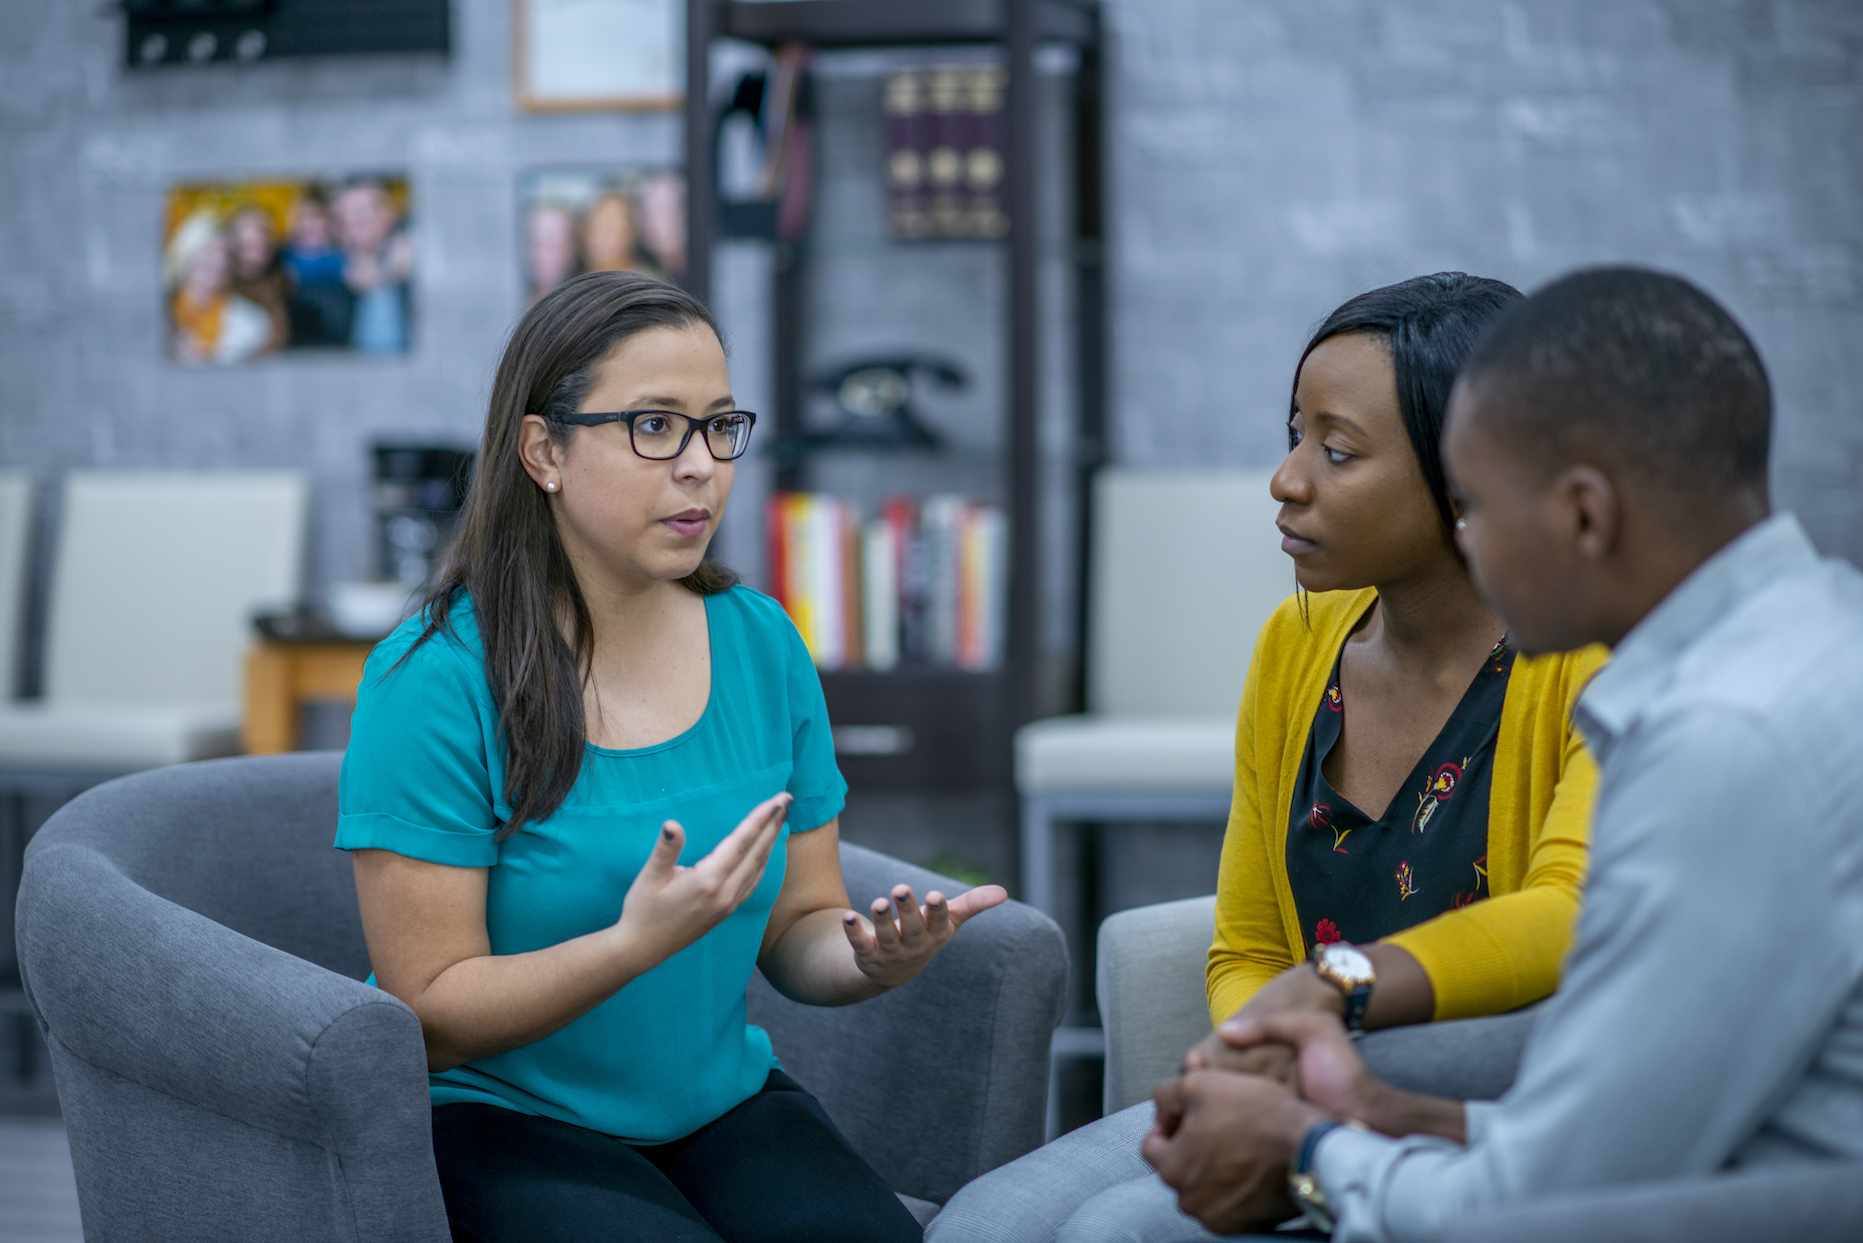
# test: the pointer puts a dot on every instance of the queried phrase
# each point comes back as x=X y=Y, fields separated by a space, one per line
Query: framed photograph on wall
x=598 y=55
x=256 y=267
x=600 y=218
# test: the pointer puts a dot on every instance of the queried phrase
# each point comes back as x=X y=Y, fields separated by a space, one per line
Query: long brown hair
x=538 y=636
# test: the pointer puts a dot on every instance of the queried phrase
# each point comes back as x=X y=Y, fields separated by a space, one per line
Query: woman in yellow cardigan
x=1410 y=794
x=1412 y=801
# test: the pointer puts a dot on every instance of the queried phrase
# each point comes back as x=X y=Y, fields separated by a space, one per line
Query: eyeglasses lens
x=727 y=435
x=658 y=435
x=662 y=436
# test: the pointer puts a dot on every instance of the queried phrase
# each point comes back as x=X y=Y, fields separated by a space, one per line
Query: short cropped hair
x=1637 y=366
x=1429 y=323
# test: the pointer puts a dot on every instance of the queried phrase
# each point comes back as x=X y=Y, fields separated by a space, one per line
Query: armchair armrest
x=168 y=999
x=1150 y=981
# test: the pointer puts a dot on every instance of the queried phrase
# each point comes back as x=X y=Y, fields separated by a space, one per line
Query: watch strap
x=1302 y=1187
x=1357 y=997
x=1355 y=1004
x=1310 y=1142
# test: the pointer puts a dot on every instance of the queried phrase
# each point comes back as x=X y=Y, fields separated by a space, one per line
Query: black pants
x=773 y=1170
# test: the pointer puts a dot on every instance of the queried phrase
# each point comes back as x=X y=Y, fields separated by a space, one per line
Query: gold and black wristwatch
x=1346 y=968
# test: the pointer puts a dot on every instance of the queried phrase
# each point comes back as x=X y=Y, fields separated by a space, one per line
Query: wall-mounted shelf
x=960 y=725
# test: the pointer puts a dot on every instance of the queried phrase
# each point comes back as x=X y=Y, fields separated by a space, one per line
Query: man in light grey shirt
x=1608 y=446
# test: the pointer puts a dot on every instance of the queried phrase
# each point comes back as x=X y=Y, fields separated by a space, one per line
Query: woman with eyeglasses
x=1412 y=802
x=589 y=788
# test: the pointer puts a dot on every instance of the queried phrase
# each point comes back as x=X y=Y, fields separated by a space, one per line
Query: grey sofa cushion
x=1464 y=1059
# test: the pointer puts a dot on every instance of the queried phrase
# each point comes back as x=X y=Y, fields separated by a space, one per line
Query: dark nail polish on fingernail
x=667 y=834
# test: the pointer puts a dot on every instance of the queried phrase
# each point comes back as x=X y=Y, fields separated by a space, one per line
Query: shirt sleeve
x=1708 y=907
x=417 y=778
x=815 y=780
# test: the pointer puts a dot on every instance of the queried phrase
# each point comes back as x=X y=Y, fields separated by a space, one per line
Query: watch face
x=1348 y=963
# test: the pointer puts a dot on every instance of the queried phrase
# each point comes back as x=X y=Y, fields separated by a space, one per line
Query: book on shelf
x=945 y=145
x=918 y=583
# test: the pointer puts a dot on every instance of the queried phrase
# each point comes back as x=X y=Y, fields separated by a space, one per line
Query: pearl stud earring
x=549 y=487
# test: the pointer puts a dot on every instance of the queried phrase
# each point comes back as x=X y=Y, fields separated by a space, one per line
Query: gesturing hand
x=890 y=950
x=668 y=907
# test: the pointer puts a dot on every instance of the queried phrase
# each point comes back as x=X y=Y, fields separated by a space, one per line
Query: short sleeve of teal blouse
x=423 y=777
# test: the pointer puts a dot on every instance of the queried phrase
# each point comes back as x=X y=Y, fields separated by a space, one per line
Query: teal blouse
x=424 y=777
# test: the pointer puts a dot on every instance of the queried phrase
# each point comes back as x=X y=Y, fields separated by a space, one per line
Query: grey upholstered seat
x=191 y=944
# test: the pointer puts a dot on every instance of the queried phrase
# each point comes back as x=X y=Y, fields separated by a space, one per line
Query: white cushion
x=113 y=737
x=1107 y=753
x=15 y=543
x=156 y=578
x=1186 y=566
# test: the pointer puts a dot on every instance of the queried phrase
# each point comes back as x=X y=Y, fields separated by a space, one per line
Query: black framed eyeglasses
x=658 y=436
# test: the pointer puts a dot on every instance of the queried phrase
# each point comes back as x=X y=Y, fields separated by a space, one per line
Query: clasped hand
x=1224 y=1140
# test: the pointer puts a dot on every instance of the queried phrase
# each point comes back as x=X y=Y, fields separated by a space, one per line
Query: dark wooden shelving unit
x=953 y=729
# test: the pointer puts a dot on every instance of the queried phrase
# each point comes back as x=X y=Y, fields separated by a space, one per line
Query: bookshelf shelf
x=920 y=726
x=930 y=727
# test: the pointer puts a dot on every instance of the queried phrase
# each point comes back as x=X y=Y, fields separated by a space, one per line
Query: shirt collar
x=1643 y=658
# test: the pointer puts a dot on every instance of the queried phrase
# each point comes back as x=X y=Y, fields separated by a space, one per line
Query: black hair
x=1638 y=365
x=1429 y=323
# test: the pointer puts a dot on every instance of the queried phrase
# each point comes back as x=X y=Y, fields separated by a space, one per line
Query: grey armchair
x=191 y=945
x=1150 y=987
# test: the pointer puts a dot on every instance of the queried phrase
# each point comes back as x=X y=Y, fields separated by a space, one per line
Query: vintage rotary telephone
x=875 y=399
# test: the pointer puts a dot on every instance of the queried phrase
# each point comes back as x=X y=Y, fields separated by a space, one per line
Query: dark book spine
x=983 y=160
x=908 y=144
x=950 y=123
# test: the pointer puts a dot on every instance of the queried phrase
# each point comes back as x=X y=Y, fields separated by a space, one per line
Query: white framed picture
x=598 y=55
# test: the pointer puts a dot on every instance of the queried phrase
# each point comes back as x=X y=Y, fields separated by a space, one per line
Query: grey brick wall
x=1268 y=158
x=1272 y=157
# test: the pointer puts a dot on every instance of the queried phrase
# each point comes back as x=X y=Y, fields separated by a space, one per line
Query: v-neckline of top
x=1423 y=759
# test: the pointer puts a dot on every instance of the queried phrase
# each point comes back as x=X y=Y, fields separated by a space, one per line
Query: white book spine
x=827 y=610
x=879 y=586
x=995 y=557
x=942 y=519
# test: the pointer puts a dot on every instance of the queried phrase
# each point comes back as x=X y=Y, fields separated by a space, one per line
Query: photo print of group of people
x=601 y=219
x=258 y=267
x=255 y=267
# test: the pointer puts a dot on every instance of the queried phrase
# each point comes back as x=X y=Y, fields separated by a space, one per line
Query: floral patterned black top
x=1356 y=879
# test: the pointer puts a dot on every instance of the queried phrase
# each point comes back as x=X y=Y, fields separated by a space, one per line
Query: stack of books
x=944 y=159
x=920 y=583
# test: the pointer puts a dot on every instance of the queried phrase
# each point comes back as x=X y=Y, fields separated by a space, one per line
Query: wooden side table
x=281 y=675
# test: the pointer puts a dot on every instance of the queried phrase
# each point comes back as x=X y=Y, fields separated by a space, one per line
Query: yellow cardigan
x=1488 y=958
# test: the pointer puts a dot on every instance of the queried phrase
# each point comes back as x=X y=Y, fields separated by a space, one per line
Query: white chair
x=154 y=582
x=15 y=553
x=1185 y=568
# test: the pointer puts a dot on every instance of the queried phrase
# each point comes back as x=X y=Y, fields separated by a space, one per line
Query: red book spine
x=776 y=567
